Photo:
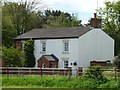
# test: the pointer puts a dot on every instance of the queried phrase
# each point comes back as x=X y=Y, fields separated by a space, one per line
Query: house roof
x=54 y=33
x=51 y=57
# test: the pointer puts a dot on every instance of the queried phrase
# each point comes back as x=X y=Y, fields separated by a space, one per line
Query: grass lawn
x=56 y=82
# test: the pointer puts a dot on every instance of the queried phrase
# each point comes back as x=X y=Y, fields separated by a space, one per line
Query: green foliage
x=112 y=83
x=86 y=82
x=57 y=82
x=58 y=19
x=116 y=61
x=17 y=19
x=95 y=72
x=43 y=81
x=111 y=21
x=12 y=57
x=29 y=53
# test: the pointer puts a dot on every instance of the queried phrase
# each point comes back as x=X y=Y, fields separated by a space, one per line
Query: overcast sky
x=83 y=8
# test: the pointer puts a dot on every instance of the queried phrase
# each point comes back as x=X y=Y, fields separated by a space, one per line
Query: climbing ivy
x=29 y=53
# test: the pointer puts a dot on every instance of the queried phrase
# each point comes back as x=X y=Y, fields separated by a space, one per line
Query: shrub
x=12 y=57
x=116 y=61
x=95 y=72
x=86 y=82
x=112 y=83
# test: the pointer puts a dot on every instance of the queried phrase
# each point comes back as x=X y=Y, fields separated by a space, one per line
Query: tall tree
x=18 y=18
x=111 y=21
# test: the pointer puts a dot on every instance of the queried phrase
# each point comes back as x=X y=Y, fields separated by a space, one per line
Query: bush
x=95 y=72
x=116 y=61
x=86 y=82
x=12 y=57
x=112 y=83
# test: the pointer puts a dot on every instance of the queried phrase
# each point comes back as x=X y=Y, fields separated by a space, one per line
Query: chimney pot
x=95 y=22
x=95 y=16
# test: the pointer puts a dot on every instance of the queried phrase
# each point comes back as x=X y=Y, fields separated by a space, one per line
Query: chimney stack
x=95 y=15
x=95 y=22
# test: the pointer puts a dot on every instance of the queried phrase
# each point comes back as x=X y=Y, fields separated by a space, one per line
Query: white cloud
x=81 y=5
x=84 y=8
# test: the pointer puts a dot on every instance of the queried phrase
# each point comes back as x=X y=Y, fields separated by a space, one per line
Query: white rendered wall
x=95 y=45
x=56 y=47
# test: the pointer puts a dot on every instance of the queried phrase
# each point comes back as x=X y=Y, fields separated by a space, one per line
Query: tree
x=111 y=21
x=117 y=61
x=29 y=54
x=58 y=19
x=12 y=57
x=18 y=18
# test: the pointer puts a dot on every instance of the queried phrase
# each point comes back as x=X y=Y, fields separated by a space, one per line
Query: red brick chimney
x=95 y=22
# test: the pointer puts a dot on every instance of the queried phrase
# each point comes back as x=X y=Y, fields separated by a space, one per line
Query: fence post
x=41 y=71
x=30 y=71
x=64 y=72
x=52 y=71
x=7 y=71
x=18 y=71
x=80 y=70
x=115 y=73
x=69 y=71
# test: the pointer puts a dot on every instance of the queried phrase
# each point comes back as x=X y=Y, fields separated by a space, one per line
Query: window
x=66 y=46
x=65 y=64
x=44 y=46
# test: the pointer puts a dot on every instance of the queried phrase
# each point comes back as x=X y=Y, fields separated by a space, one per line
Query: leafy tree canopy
x=58 y=19
x=17 y=19
x=111 y=21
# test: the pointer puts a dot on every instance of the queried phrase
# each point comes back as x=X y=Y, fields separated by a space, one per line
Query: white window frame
x=66 y=63
x=43 y=46
x=65 y=45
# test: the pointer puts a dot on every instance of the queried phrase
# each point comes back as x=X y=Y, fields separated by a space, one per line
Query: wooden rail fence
x=38 y=71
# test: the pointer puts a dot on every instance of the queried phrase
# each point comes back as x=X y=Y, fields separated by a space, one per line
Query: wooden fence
x=38 y=71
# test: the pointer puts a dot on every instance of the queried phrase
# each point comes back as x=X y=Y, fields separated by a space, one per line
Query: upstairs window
x=43 y=46
x=66 y=46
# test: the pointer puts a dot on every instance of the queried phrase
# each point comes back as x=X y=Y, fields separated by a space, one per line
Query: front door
x=74 y=71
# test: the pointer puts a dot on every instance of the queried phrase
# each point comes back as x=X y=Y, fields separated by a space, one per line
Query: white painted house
x=73 y=46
